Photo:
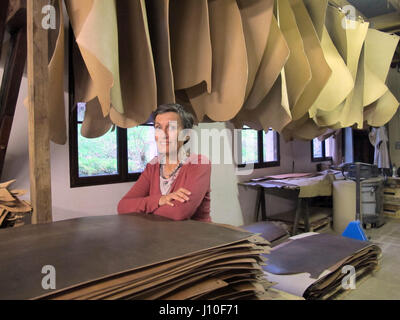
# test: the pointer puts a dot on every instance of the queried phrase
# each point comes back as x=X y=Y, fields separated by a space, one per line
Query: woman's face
x=167 y=128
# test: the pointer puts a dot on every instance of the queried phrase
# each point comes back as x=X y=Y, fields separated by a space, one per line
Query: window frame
x=324 y=157
x=122 y=160
x=260 y=146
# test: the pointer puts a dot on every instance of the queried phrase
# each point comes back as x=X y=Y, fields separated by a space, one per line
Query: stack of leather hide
x=319 y=219
x=132 y=257
x=12 y=209
x=270 y=231
x=321 y=266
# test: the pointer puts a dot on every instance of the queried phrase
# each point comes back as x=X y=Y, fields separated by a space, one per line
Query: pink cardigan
x=145 y=194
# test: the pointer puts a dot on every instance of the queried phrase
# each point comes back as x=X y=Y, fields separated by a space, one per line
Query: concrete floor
x=385 y=283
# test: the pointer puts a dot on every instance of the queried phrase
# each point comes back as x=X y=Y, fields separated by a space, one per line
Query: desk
x=303 y=189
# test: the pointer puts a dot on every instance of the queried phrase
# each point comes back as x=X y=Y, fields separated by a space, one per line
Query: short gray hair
x=186 y=117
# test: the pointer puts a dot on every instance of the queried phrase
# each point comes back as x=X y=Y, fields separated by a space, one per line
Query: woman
x=175 y=184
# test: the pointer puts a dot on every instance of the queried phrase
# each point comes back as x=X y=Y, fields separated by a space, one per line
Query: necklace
x=172 y=173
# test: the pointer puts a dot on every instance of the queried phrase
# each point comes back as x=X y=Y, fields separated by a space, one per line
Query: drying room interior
x=200 y=149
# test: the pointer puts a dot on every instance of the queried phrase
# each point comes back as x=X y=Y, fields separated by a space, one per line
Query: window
x=118 y=156
x=322 y=150
x=259 y=148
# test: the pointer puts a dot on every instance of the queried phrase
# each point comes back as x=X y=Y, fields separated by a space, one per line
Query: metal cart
x=369 y=192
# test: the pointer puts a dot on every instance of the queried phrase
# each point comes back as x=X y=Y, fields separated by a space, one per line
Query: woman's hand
x=181 y=195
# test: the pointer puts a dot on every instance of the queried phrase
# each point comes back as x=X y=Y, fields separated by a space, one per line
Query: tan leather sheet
x=94 y=124
x=382 y=111
x=137 y=71
x=191 y=52
x=256 y=20
x=6 y=195
x=349 y=42
x=317 y=11
x=303 y=129
x=274 y=59
x=378 y=54
x=84 y=89
x=263 y=108
x=229 y=65
x=352 y=108
x=297 y=71
x=94 y=23
x=3 y=215
x=339 y=84
x=270 y=113
x=379 y=49
x=320 y=70
x=158 y=18
x=7 y=183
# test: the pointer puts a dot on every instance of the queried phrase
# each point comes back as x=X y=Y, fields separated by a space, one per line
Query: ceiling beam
x=388 y=22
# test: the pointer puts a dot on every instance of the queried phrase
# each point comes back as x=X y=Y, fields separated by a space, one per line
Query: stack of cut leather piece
x=319 y=219
x=315 y=265
x=133 y=257
x=12 y=209
x=270 y=231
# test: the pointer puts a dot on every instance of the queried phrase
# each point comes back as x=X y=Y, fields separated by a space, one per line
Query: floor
x=385 y=283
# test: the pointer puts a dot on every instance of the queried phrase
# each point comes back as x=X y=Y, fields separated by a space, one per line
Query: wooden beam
x=10 y=85
x=3 y=17
x=39 y=142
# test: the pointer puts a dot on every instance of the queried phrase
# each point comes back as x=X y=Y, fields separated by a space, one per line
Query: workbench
x=300 y=188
